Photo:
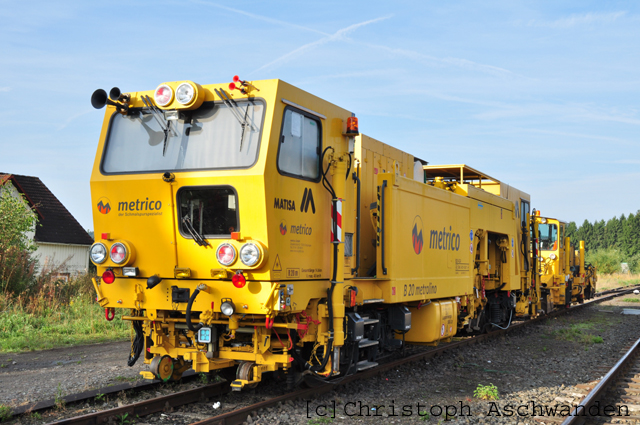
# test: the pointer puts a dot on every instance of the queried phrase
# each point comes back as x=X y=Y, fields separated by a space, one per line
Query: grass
x=576 y=333
x=57 y=314
x=319 y=421
x=126 y=378
x=486 y=392
x=631 y=300
x=616 y=280
x=5 y=413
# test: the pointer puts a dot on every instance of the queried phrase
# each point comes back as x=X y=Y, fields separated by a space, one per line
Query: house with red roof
x=61 y=240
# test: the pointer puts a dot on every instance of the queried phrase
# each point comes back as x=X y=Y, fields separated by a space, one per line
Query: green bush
x=607 y=261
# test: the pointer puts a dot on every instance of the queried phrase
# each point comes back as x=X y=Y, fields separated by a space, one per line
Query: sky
x=542 y=95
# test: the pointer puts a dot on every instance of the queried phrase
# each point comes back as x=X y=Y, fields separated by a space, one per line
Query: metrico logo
x=283 y=227
x=444 y=240
x=416 y=235
x=104 y=205
x=138 y=205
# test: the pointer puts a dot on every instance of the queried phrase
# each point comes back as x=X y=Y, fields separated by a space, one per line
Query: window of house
x=299 y=150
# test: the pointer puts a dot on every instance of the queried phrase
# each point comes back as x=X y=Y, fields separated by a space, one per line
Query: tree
x=16 y=220
x=628 y=243
x=632 y=235
x=17 y=267
x=586 y=232
x=598 y=235
x=611 y=232
x=572 y=232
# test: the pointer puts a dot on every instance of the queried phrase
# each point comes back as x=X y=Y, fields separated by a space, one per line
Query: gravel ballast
x=539 y=365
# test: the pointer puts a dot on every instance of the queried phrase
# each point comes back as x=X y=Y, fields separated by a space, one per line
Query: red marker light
x=238 y=280
x=109 y=276
x=236 y=78
x=232 y=86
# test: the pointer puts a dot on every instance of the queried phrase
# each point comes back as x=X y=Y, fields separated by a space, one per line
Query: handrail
x=357 y=180
x=382 y=216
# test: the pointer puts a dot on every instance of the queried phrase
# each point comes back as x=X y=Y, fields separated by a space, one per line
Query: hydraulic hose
x=188 y=314
x=328 y=352
x=137 y=345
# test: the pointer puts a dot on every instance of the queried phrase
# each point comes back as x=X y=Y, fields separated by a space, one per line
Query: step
x=364 y=365
x=366 y=343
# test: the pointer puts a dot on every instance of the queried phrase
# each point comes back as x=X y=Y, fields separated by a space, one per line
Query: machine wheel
x=162 y=367
x=245 y=372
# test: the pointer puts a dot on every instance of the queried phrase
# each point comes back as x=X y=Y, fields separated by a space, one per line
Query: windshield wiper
x=165 y=125
x=233 y=106
x=198 y=238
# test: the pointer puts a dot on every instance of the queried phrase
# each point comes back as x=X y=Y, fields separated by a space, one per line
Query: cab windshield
x=548 y=236
x=211 y=137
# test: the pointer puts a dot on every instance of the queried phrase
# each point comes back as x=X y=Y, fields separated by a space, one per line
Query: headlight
x=226 y=254
x=98 y=253
x=552 y=256
x=118 y=253
x=249 y=254
x=163 y=95
x=227 y=308
x=185 y=93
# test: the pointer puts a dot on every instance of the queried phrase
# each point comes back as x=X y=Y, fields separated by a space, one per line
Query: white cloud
x=259 y=17
x=447 y=61
x=5 y=89
x=338 y=35
x=579 y=19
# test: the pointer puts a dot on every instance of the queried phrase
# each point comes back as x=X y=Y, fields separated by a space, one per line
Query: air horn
x=116 y=98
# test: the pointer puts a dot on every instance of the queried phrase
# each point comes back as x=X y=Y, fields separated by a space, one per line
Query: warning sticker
x=277 y=267
x=442 y=330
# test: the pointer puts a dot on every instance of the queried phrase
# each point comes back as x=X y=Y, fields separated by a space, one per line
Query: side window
x=299 y=151
x=562 y=236
x=524 y=210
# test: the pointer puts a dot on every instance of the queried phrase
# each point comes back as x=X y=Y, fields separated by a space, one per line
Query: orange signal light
x=352 y=125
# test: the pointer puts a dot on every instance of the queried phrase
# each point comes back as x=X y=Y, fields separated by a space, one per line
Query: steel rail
x=148 y=407
x=575 y=417
x=86 y=395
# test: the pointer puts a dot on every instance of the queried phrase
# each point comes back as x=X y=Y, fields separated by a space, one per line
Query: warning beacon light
x=352 y=125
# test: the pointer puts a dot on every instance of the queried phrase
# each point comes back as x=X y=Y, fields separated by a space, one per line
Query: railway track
x=615 y=398
x=237 y=416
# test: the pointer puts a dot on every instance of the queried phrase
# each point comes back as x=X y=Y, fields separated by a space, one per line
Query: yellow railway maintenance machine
x=250 y=225
x=563 y=274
